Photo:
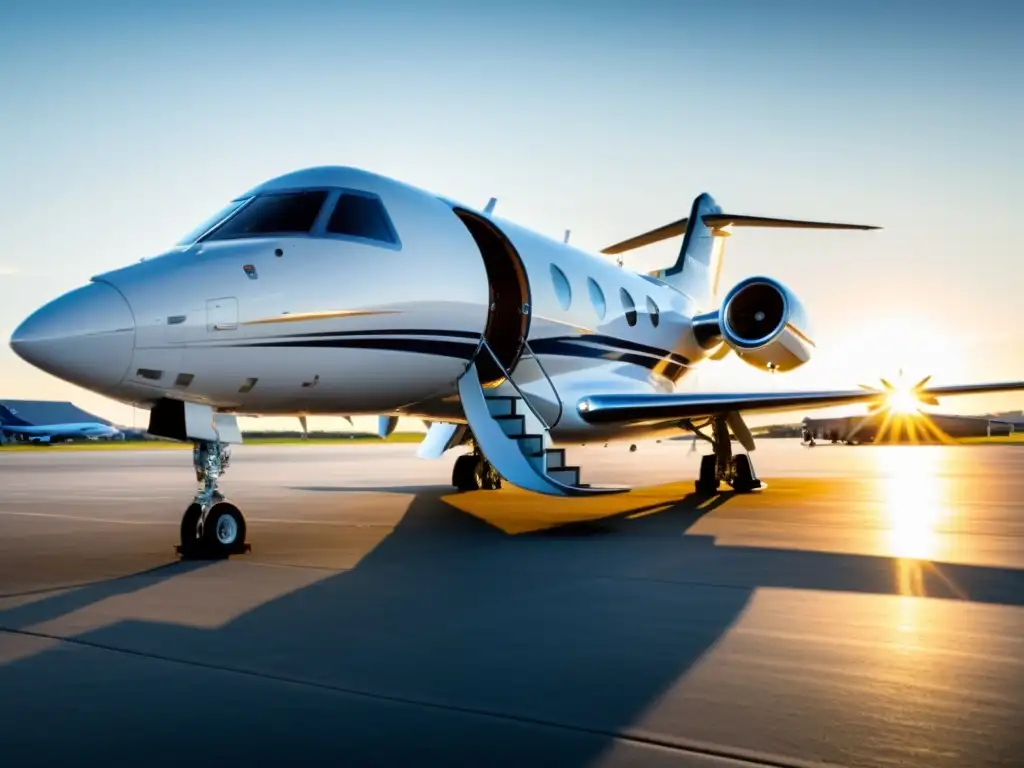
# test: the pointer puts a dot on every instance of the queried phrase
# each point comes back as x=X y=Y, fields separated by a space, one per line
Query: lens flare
x=902 y=401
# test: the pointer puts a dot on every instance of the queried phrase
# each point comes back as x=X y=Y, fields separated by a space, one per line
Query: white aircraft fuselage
x=321 y=323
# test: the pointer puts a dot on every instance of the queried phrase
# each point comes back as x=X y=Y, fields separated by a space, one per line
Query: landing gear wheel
x=707 y=481
x=224 y=530
x=475 y=473
x=743 y=479
x=190 y=543
x=485 y=476
x=462 y=473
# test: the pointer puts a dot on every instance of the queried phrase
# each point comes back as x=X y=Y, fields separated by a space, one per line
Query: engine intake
x=766 y=325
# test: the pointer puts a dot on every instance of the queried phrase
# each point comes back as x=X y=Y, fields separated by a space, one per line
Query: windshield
x=212 y=221
x=273 y=214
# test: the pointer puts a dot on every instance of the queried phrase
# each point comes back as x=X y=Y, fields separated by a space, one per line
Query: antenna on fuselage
x=567 y=232
x=489 y=208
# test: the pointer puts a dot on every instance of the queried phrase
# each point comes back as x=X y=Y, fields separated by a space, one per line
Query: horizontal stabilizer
x=719 y=220
x=674 y=229
x=716 y=221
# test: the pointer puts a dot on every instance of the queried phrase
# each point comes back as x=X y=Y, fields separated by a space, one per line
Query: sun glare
x=913 y=489
x=902 y=401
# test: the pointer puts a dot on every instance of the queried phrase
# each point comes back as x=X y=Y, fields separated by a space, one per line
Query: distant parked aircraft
x=92 y=430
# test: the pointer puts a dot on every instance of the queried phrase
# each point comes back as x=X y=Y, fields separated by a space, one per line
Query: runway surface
x=865 y=610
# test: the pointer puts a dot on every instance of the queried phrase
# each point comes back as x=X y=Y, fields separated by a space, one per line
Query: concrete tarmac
x=867 y=609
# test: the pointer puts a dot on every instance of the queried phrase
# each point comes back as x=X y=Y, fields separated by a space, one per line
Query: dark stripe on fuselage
x=670 y=368
x=556 y=342
x=615 y=341
x=594 y=339
x=457 y=349
x=591 y=346
x=384 y=332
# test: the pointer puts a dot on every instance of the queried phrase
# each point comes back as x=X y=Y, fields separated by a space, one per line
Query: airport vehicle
x=333 y=290
x=50 y=433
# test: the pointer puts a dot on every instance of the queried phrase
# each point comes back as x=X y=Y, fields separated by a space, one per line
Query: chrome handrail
x=554 y=390
x=510 y=380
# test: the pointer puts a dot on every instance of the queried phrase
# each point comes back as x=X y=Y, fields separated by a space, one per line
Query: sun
x=902 y=401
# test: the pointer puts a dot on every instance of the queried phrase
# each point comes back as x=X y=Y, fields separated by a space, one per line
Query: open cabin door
x=508 y=321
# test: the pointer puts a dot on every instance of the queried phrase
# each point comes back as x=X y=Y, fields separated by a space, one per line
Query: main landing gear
x=212 y=527
x=473 y=472
x=721 y=466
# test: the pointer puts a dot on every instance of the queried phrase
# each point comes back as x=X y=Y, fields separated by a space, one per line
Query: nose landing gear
x=212 y=527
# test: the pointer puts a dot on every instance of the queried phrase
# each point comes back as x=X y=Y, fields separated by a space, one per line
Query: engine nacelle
x=766 y=325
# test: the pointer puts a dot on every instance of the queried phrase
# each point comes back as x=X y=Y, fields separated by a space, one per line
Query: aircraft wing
x=653 y=409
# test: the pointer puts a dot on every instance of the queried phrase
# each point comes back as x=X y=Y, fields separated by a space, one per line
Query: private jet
x=334 y=290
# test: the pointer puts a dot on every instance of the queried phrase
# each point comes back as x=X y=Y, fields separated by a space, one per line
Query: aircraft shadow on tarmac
x=575 y=626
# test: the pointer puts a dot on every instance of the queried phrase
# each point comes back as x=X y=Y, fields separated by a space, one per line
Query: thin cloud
x=6 y=271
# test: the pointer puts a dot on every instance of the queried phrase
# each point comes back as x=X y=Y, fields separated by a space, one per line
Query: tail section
x=697 y=269
x=8 y=419
x=699 y=264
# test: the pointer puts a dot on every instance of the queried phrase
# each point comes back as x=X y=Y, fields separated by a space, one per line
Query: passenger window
x=271 y=214
x=361 y=216
x=653 y=309
x=597 y=298
x=563 y=292
x=628 y=306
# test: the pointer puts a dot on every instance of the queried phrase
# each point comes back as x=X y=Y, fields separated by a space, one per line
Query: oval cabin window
x=653 y=309
x=561 y=284
x=628 y=306
x=597 y=298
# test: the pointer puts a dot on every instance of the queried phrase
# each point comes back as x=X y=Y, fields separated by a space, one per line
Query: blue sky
x=124 y=125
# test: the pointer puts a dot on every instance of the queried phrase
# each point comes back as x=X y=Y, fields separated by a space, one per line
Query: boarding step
x=513 y=426
x=544 y=461
x=566 y=476
x=502 y=405
x=530 y=444
x=516 y=441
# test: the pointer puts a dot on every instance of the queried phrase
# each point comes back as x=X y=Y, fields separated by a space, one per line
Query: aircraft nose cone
x=86 y=337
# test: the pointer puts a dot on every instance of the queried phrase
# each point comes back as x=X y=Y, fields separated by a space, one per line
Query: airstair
x=511 y=433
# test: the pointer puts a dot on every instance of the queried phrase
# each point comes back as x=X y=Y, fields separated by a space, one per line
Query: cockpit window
x=213 y=221
x=272 y=214
x=361 y=216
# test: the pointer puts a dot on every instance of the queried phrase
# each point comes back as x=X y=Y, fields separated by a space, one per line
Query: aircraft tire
x=743 y=478
x=224 y=530
x=189 y=540
x=462 y=473
x=485 y=476
x=707 y=482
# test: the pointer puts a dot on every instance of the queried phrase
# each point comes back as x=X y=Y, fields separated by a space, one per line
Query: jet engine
x=766 y=325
